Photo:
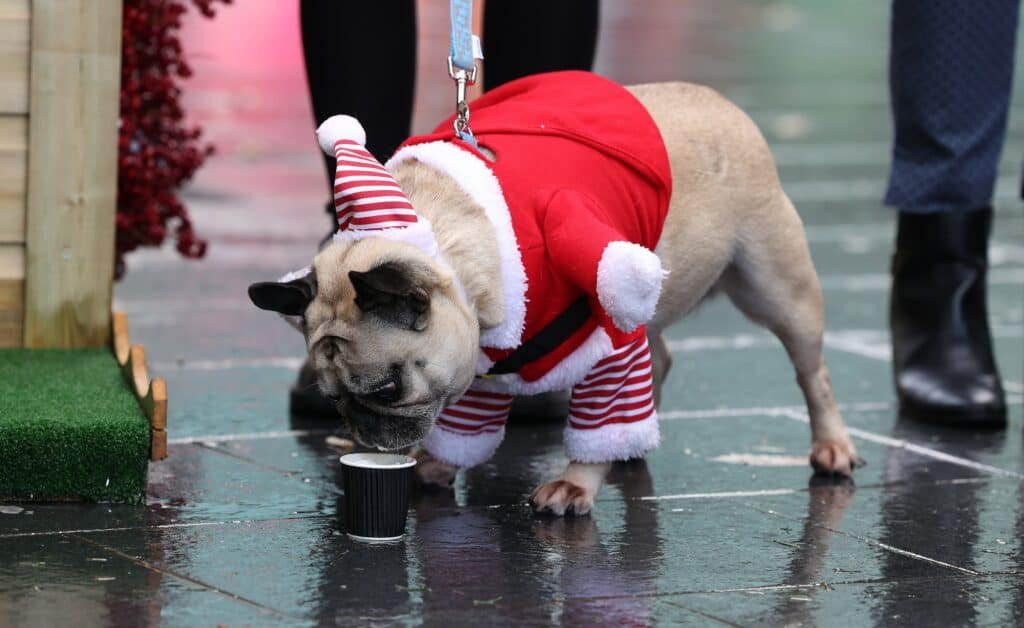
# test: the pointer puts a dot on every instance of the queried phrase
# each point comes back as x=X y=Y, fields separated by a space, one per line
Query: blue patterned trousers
x=950 y=78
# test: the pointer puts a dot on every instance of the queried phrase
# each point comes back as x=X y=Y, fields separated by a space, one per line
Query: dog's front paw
x=562 y=497
x=432 y=472
x=835 y=457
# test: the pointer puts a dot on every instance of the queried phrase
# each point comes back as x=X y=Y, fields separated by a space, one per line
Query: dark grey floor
x=723 y=524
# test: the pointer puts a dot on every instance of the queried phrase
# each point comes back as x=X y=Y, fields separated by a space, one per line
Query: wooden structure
x=151 y=395
x=60 y=74
x=59 y=91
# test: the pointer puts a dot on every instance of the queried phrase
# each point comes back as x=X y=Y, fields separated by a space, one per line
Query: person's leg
x=361 y=61
x=951 y=69
x=523 y=37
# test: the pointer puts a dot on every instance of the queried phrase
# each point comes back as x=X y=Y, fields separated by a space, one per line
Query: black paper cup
x=376 y=495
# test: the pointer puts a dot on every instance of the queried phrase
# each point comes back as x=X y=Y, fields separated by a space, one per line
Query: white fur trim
x=419 y=234
x=462 y=450
x=339 y=128
x=294 y=321
x=296 y=274
x=629 y=280
x=616 y=441
x=483 y=363
x=563 y=376
x=476 y=179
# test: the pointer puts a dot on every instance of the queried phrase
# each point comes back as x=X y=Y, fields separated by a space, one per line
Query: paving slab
x=723 y=525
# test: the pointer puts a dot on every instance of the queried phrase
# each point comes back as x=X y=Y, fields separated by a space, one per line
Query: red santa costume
x=577 y=193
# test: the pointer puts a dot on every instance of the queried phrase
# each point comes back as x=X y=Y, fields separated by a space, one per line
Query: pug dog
x=547 y=252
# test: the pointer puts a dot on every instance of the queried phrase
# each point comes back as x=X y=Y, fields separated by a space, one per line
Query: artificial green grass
x=70 y=428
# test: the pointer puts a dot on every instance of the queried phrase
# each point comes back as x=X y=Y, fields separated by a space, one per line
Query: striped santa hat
x=367 y=199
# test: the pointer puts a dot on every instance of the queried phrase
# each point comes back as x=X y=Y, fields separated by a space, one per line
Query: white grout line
x=908 y=553
x=867 y=282
x=879 y=544
x=872 y=189
x=712 y=413
x=928 y=452
x=715 y=413
x=224 y=438
x=722 y=495
x=194 y=524
x=714 y=343
x=671 y=415
x=281 y=362
x=886 y=230
x=197 y=524
x=1016 y=388
x=854 y=342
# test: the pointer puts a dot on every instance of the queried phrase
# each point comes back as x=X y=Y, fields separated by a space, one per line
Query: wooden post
x=72 y=171
x=14 y=64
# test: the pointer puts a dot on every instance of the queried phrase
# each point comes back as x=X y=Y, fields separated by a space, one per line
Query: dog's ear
x=290 y=297
x=395 y=292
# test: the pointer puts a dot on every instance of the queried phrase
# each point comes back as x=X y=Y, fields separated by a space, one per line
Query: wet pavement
x=723 y=524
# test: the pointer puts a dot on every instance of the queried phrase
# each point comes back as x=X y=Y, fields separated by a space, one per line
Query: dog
x=395 y=325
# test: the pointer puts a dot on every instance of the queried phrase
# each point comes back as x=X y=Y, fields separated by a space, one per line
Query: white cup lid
x=378 y=461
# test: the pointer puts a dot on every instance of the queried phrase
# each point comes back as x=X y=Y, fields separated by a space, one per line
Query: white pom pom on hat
x=339 y=128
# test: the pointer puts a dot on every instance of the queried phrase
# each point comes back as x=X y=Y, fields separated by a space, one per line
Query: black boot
x=305 y=398
x=327 y=239
x=942 y=358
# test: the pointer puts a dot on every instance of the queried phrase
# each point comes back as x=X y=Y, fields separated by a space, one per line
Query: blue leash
x=461 y=63
x=461 y=51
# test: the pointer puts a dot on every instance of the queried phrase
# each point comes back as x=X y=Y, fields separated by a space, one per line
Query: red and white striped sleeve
x=611 y=413
x=469 y=431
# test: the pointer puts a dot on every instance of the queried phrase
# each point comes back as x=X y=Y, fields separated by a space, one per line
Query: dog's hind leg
x=661 y=362
x=772 y=280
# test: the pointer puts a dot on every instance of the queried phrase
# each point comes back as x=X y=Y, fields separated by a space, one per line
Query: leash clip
x=462 y=78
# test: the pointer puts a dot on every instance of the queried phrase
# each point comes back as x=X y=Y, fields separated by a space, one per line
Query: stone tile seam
x=798 y=587
x=669 y=415
x=678 y=496
x=160 y=526
x=187 y=578
x=873 y=542
x=271 y=468
x=700 y=613
x=800 y=415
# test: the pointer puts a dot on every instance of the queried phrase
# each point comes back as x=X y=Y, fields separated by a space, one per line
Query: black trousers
x=361 y=56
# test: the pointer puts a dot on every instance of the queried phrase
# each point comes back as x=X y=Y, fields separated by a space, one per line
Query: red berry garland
x=157 y=153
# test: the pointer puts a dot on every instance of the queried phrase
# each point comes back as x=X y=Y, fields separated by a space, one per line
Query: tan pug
x=394 y=337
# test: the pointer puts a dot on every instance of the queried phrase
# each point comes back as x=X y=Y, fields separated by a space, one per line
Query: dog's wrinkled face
x=389 y=336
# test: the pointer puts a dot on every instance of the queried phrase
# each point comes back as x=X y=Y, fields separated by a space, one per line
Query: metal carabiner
x=462 y=78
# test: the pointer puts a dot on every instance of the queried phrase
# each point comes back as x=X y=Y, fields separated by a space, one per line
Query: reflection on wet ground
x=723 y=524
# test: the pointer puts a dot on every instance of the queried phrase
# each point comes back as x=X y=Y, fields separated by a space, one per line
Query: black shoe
x=334 y=227
x=306 y=400
x=942 y=358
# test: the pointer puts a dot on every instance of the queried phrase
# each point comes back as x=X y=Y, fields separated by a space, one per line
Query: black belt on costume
x=547 y=340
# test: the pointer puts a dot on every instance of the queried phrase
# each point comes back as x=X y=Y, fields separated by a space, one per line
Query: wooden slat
x=12 y=294
x=12 y=261
x=13 y=176
x=14 y=55
x=72 y=182
x=151 y=395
